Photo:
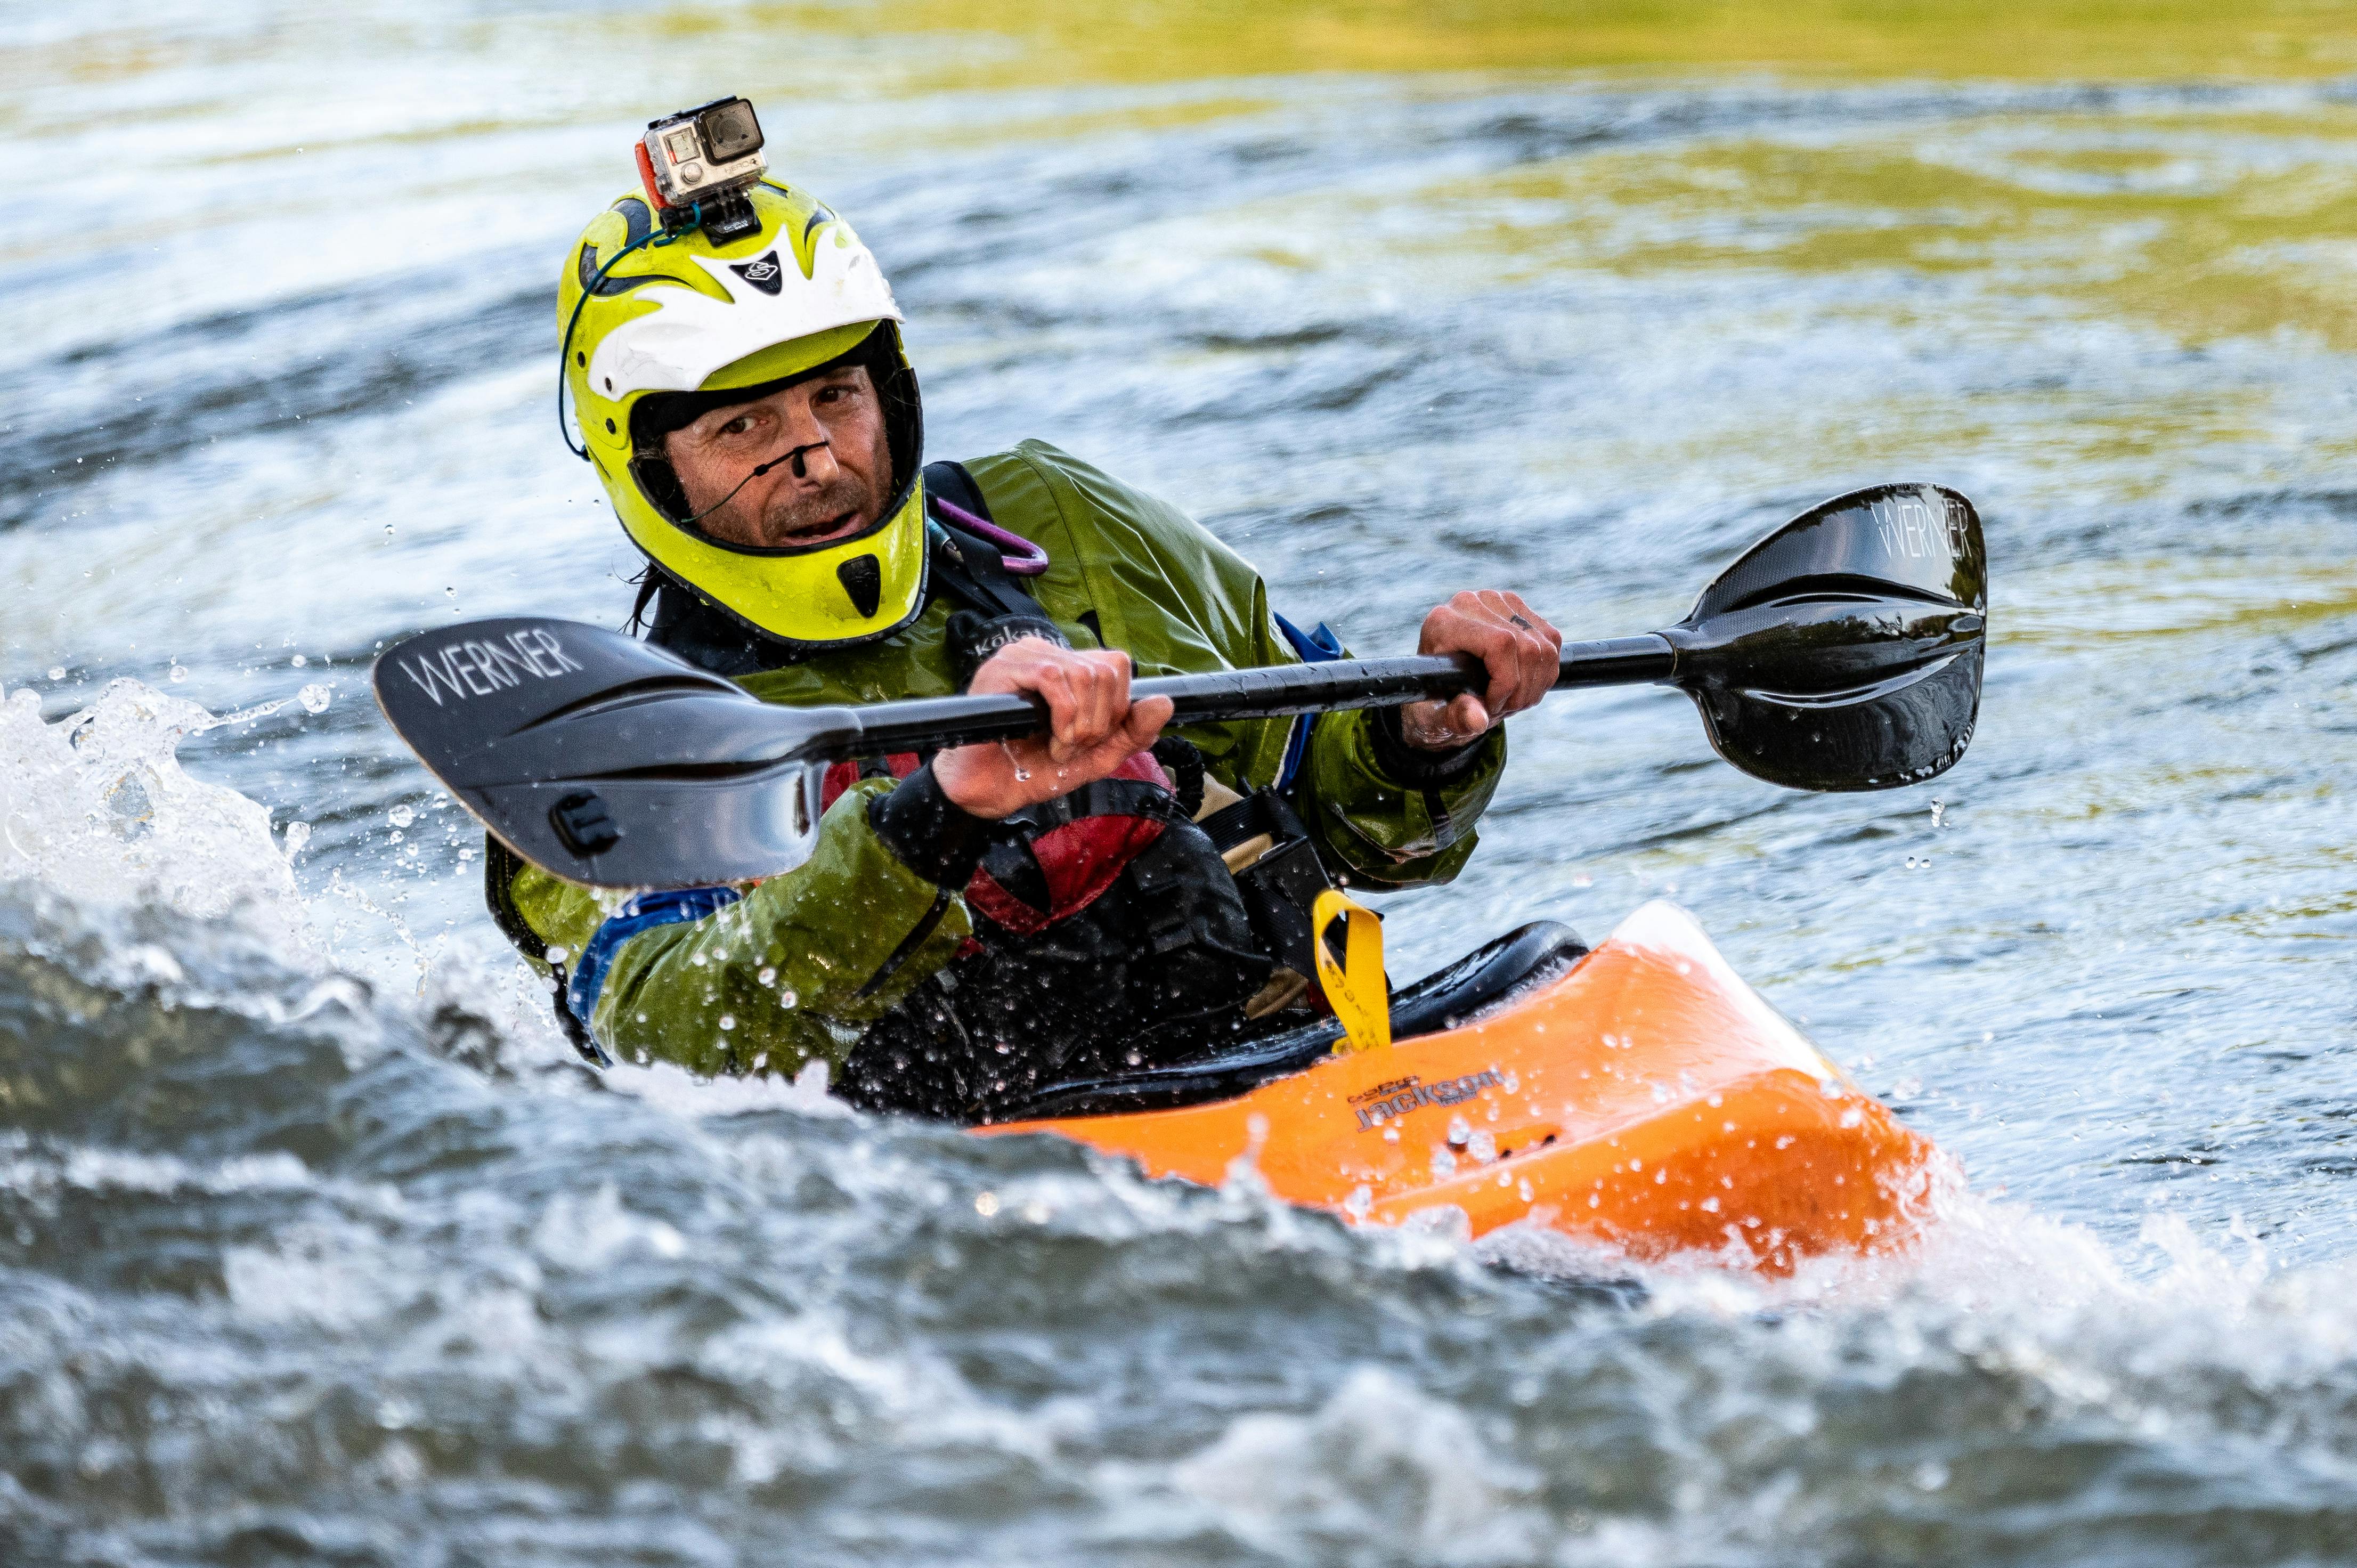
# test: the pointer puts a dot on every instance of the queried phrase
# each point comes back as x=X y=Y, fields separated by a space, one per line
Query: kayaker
x=976 y=920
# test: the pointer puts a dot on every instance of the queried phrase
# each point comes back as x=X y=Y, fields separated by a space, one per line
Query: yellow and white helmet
x=659 y=326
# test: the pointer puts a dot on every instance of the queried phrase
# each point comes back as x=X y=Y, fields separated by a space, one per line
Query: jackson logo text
x=1388 y=1101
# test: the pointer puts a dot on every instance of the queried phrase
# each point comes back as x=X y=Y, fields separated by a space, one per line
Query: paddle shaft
x=925 y=724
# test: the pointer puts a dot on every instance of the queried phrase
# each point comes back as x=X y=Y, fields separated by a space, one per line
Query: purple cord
x=1031 y=563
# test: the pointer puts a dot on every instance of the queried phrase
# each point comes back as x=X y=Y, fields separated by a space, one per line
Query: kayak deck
x=1647 y=1099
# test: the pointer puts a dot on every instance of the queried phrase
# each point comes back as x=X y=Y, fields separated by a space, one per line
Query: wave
x=296 y=1263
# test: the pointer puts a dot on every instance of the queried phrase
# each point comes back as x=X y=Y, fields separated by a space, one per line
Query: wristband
x=1415 y=767
x=927 y=831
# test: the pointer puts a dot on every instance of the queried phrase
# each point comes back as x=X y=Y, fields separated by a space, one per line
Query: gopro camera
x=705 y=158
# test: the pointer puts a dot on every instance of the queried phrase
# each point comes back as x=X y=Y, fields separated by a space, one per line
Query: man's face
x=846 y=472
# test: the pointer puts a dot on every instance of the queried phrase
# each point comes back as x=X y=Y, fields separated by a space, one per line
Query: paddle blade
x=602 y=759
x=1843 y=651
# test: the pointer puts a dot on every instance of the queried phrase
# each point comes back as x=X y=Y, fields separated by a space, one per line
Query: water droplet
x=300 y=661
x=179 y=672
x=1482 y=1147
x=1939 y=810
x=727 y=1020
x=297 y=835
x=1710 y=1205
x=559 y=955
x=449 y=592
x=1459 y=1131
x=985 y=1204
x=1523 y=1190
x=1361 y=1199
x=1391 y=1134
x=396 y=835
x=1444 y=1164
x=315 y=698
x=767 y=975
x=388 y=528
x=57 y=672
x=787 y=998
x=400 y=816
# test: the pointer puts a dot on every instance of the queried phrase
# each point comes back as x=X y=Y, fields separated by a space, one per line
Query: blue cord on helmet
x=564 y=351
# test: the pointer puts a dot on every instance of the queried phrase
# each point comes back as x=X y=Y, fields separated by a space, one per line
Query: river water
x=315 y=1247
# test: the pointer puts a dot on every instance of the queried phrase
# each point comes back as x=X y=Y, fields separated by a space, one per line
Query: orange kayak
x=1644 y=1096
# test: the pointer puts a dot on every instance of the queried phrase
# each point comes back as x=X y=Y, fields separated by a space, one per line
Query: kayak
x=1640 y=1095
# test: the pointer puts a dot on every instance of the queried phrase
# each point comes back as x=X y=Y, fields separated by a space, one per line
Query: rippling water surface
x=313 y=1246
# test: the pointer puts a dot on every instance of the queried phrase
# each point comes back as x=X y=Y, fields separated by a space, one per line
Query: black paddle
x=1841 y=652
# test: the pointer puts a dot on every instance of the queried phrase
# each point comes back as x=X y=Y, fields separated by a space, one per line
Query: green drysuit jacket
x=793 y=970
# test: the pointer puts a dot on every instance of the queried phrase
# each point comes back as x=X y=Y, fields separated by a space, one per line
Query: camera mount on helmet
x=698 y=164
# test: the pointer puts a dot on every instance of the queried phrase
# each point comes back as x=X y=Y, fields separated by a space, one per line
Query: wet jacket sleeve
x=762 y=979
x=1386 y=812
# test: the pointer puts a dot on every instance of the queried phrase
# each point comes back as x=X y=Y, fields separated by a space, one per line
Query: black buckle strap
x=1262 y=812
x=970 y=570
x=953 y=482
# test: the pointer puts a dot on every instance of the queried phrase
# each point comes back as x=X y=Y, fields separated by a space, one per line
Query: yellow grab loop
x=1354 y=987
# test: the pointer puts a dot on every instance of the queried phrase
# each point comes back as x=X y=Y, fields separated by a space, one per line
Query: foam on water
x=753 y=1286
x=99 y=805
